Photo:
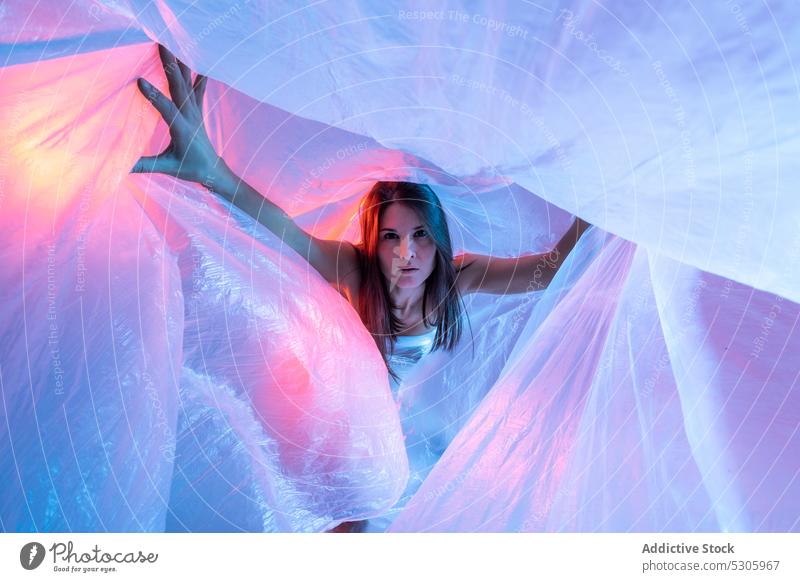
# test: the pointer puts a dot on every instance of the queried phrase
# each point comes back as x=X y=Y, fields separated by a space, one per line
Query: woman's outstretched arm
x=501 y=276
x=191 y=156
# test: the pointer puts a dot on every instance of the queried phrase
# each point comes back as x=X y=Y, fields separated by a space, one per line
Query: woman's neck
x=406 y=301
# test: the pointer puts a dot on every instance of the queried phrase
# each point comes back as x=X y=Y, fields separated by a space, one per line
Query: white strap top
x=408 y=349
x=415 y=340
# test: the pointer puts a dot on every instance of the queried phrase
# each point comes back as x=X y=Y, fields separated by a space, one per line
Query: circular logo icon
x=31 y=555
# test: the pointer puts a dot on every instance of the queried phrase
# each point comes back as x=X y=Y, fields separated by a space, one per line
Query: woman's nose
x=407 y=249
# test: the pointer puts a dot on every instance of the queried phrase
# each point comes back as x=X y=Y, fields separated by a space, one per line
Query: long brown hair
x=442 y=305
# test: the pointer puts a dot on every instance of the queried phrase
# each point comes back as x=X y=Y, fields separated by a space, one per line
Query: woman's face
x=406 y=251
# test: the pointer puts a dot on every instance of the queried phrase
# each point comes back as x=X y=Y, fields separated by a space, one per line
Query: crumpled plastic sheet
x=168 y=364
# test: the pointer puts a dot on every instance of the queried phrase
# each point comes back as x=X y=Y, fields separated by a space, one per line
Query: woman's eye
x=421 y=233
x=389 y=235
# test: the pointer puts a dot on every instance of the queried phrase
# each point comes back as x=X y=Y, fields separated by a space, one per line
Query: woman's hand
x=190 y=155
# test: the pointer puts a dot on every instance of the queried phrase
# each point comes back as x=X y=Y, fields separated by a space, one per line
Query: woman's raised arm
x=502 y=276
x=191 y=156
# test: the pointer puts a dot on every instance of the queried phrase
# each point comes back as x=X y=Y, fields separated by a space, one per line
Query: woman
x=402 y=278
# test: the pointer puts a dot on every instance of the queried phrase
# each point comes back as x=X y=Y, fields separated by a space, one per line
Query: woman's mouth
x=408 y=269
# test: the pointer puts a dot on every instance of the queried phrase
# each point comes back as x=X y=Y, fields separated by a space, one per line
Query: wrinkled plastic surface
x=671 y=124
x=166 y=363
x=207 y=379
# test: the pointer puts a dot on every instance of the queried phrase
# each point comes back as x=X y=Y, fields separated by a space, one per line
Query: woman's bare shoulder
x=464 y=275
x=348 y=280
x=461 y=261
x=339 y=264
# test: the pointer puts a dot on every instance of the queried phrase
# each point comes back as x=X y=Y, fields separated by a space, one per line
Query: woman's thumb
x=152 y=165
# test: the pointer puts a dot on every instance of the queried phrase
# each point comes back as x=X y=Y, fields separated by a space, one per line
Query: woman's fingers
x=163 y=105
x=199 y=91
x=190 y=149
x=185 y=73
x=178 y=88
